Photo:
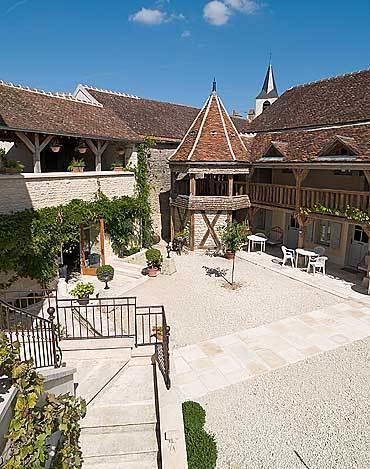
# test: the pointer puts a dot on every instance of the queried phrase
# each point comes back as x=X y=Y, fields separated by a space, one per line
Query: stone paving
x=217 y=363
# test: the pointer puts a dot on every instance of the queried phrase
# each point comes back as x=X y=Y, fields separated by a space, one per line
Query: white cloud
x=185 y=34
x=154 y=16
x=216 y=13
x=246 y=6
x=149 y=16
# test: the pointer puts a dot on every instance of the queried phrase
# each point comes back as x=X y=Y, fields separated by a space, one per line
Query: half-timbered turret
x=209 y=172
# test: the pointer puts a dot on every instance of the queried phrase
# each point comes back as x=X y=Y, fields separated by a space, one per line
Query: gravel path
x=317 y=407
x=199 y=307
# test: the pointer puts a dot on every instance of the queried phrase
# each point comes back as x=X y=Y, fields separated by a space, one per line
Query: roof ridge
x=328 y=79
x=133 y=96
x=67 y=96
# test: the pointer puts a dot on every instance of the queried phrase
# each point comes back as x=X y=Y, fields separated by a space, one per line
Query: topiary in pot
x=82 y=291
x=154 y=260
x=105 y=273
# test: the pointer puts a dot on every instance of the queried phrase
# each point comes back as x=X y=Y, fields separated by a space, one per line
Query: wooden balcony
x=191 y=202
x=285 y=197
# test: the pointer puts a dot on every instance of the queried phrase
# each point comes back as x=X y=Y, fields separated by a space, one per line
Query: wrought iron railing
x=152 y=329
x=37 y=336
x=35 y=302
x=96 y=318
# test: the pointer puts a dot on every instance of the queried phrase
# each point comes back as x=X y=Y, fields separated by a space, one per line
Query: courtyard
x=279 y=363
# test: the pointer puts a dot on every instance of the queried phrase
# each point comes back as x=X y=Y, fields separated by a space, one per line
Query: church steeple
x=268 y=93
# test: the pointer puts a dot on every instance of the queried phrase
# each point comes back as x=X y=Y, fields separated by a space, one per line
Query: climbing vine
x=30 y=240
x=351 y=213
x=143 y=191
x=35 y=419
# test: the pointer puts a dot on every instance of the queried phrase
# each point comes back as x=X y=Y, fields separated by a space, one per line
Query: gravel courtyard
x=317 y=408
x=199 y=306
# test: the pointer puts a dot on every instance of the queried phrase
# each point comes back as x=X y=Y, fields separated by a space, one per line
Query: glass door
x=92 y=247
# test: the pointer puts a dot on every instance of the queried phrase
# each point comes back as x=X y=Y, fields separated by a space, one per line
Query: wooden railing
x=285 y=196
x=272 y=194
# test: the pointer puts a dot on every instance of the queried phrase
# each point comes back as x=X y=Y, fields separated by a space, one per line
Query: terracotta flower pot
x=153 y=271
x=10 y=170
x=118 y=169
x=78 y=169
x=230 y=255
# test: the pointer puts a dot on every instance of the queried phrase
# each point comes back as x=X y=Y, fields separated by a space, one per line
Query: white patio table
x=252 y=239
x=307 y=254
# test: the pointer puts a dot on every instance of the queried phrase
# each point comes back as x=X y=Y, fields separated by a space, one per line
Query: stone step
x=119 y=414
x=143 y=460
x=122 y=354
x=117 y=440
x=129 y=270
x=96 y=344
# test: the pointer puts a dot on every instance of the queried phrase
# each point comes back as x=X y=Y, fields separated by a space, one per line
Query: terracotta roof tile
x=212 y=137
x=32 y=110
x=337 y=100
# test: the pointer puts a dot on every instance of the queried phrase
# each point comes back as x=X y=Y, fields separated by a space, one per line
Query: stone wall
x=23 y=191
x=160 y=183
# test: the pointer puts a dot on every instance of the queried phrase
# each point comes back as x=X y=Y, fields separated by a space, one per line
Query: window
x=323 y=232
x=265 y=105
x=213 y=133
x=360 y=235
x=193 y=133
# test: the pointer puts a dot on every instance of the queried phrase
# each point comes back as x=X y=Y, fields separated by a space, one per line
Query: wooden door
x=92 y=247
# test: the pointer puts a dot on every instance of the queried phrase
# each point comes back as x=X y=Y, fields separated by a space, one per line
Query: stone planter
x=83 y=301
x=153 y=271
x=229 y=255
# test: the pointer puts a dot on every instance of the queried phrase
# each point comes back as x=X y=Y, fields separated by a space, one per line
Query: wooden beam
x=92 y=146
x=46 y=142
x=37 y=155
x=23 y=137
x=193 y=184
x=230 y=179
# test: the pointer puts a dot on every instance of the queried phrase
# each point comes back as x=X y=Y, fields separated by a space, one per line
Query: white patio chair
x=317 y=263
x=261 y=235
x=288 y=255
x=320 y=251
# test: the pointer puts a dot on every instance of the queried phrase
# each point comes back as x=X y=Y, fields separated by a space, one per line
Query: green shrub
x=76 y=164
x=154 y=258
x=201 y=446
x=82 y=290
x=100 y=271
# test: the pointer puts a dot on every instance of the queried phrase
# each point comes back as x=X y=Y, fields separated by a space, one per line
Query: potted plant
x=76 y=166
x=232 y=236
x=10 y=166
x=154 y=260
x=117 y=166
x=82 y=291
x=105 y=273
x=158 y=332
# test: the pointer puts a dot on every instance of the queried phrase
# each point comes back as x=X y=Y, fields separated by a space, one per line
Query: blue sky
x=171 y=49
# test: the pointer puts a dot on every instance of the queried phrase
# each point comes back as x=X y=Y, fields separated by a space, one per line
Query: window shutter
x=308 y=236
x=336 y=229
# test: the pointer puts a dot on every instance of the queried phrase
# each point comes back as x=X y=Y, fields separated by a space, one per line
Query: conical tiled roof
x=212 y=136
x=269 y=88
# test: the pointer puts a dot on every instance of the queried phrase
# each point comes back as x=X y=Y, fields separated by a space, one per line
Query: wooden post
x=172 y=223
x=230 y=179
x=300 y=175
x=98 y=151
x=193 y=184
x=367 y=176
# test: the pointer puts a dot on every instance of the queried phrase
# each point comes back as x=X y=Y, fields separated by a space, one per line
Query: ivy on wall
x=143 y=191
x=30 y=240
x=351 y=213
x=35 y=420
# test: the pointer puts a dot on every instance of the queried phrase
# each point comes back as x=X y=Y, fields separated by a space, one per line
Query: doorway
x=292 y=231
x=358 y=248
x=92 y=247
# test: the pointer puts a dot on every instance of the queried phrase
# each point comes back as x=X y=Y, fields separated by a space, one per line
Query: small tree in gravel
x=233 y=237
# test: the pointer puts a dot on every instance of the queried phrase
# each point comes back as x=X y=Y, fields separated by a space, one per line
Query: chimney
x=251 y=115
x=236 y=114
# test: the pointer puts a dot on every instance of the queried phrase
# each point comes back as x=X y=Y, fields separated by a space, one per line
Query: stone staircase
x=120 y=429
x=130 y=273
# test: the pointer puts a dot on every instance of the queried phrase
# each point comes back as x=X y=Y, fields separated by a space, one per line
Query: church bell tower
x=268 y=93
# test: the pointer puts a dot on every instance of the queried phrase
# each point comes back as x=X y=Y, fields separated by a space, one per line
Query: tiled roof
x=311 y=145
x=150 y=117
x=337 y=100
x=212 y=137
x=34 y=110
